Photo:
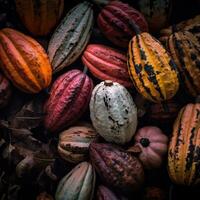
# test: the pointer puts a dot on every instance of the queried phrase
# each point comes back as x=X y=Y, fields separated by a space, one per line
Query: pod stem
x=85 y=70
x=135 y=27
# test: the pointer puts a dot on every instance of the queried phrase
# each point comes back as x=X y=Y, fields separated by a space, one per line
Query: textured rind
x=114 y=22
x=40 y=16
x=103 y=193
x=113 y=112
x=185 y=51
x=152 y=156
x=107 y=63
x=156 y=12
x=78 y=184
x=116 y=167
x=71 y=36
x=74 y=143
x=24 y=61
x=184 y=147
x=5 y=91
x=69 y=97
x=152 y=70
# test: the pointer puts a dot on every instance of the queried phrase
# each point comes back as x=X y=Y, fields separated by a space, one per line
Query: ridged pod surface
x=113 y=112
x=78 y=184
x=71 y=36
x=116 y=167
x=24 y=61
x=185 y=51
x=156 y=12
x=69 y=98
x=152 y=70
x=115 y=20
x=184 y=147
x=40 y=16
x=107 y=63
x=74 y=142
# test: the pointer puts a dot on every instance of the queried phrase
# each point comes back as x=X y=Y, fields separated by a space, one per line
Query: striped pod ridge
x=71 y=36
x=24 y=61
x=114 y=22
x=185 y=51
x=107 y=63
x=78 y=184
x=151 y=68
x=40 y=16
x=184 y=147
x=69 y=97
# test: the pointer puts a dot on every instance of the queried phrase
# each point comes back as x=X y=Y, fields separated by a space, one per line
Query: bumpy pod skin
x=152 y=70
x=107 y=63
x=69 y=98
x=184 y=147
x=24 y=61
x=115 y=20
x=113 y=112
x=78 y=184
x=116 y=167
x=74 y=142
x=40 y=16
x=185 y=50
x=71 y=36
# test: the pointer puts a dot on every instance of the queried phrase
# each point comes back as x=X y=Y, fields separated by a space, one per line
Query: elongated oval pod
x=184 y=147
x=24 y=61
x=151 y=68
x=113 y=112
x=185 y=51
x=40 y=16
x=107 y=63
x=71 y=36
x=78 y=184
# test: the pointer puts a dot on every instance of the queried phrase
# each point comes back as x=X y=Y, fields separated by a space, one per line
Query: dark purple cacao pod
x=69 y=98
x=5 y=91
x=103 y=193
x=116 y=167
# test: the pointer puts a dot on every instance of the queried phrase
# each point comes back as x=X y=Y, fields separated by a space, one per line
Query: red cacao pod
x=5 y=91
x=116 y=167
x=69 y=98
x=115 y=21
x=107 y=63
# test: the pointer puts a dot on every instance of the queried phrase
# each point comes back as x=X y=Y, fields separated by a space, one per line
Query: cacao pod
x=115 y=21
x=44 y=196
x=78 y=184
x=151 y=68
x=74 y=143
x=71 y=36
x=40 y=16
x=24 y=61
x=69 y=98
x=5 y=91
x=113 y=112
x=107 y=63
x=116 y=167
x=183 y=151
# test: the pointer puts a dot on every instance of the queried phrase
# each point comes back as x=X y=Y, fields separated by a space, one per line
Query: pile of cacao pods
x=99 y=100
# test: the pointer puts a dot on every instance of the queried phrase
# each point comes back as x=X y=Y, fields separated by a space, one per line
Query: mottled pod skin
x=113 y=112
x=73 y=145
x=40 y=16
x=116 y=167
x=184 y=147
x=71 y=36
x=185 y=50
x=115 y=20
x=107 y=63
x=152 y=70
x=78 y=184
x=5 y=91
x=69 y=98
x=24 y=61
